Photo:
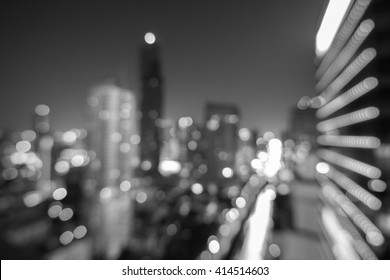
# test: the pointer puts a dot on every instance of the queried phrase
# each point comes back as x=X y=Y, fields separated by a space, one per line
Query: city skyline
x=57 y=53
x=180 y=131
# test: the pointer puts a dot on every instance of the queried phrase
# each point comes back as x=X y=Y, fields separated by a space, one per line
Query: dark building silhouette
x=151 y=104
x=302 y=123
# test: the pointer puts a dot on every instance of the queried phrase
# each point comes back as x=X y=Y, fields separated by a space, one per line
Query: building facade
x=113 y=141
x=221 y=133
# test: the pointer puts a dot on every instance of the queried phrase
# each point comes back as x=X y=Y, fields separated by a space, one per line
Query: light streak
x=365 y=142
x=358 y=116
x=346 y=54
x=354 y=189
x=347 y=97
x=344 y=34
x=348 y=74
x=354 y=165
x=373 y=234
x=333 y=17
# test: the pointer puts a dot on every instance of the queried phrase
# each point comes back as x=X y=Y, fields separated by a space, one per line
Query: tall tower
x=151 y=104
x=221 y=134
x=44 y=145
x=113 y=142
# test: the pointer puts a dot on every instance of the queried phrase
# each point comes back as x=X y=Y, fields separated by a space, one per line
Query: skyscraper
x=44 y=144
x=151 y=104
x=113 y=146
x=221 y=134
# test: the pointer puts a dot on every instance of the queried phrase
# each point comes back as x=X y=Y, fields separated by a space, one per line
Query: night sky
x=257 y=54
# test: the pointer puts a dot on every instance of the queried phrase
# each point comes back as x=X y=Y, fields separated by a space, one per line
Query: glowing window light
x=192 y=145
x=171 y=229
x=106 y=194
x=373 y=234
x=104 y=115
x=197 y=188
x=32 y=199
x=169 y=167
x=135 y=139
x=185 y=122
x=256 y=163
x=268 y=135
x=42 y=110
x=125 y=186
x=69 y=137
x=366 y=142
x=322 y=167
x=240 y=202
x=116 y=137
x=79 y=232
x=114 y=173
x=283 y=189
x=23 y=146
x=346 y=54
x=77 y=160
x=349 y=73
x=59 y=194
x=224 y=230
x=62 y=167
x=214 y=246
x=150 y=38
x=213 y=124
x=274 y=250
x=331 y=22
x=244 y=134
x=347 y=97
x=231 y=118
x=54 y=211
x=227 y=172
x=66 y=237
x=232 y=215
x=146 y=165
x=28 y=135
x=205 y=255
x=16 y=158
x=354 y=165
x=66 y=214
x=141 y=197
x=345 y=32
x=303 y=102
x=124 y=148
x=358 y=116
x=356 y=190
x=270 y=192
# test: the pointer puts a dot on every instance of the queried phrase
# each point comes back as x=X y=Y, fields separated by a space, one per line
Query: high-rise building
x=246 y=152
x=302 y=123
x=221 y=134
x=44 y=145
x=353 y=101
x=113 y=138
x=151 y=104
